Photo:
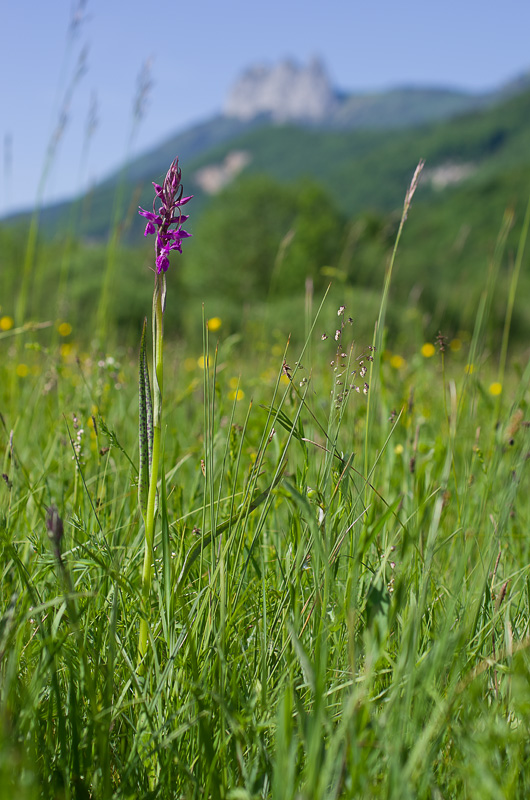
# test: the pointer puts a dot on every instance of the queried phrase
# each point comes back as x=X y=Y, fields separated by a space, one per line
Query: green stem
x=149 y=521
x=511 y=300
x=380 y=326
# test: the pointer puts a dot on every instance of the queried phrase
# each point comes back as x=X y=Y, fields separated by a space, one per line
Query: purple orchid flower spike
x=165 y=222
x=168 y=213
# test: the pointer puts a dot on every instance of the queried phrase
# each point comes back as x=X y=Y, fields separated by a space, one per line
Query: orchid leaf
x=145 y=433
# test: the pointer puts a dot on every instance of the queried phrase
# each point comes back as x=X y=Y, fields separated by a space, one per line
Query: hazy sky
x=197 y=49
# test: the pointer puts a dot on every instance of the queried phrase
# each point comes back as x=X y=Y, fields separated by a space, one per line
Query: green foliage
x=317 y=240
x=259 y=238
x=316 y=630
x=237 y=239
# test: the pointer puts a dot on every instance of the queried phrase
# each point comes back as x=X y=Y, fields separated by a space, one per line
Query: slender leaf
x=145 y=432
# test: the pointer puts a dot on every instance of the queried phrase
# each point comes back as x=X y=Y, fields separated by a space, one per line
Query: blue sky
x=197 y=49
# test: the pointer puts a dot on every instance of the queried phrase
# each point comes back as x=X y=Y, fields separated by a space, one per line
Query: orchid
x=159 y=221
x=165 y=222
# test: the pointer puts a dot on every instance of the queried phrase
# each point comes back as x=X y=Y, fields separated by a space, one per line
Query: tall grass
x=341 y=592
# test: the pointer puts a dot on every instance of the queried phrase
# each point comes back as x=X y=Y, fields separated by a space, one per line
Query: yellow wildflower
x=65 y=329
x=495 y=388
x=66 y=350
x=214 y=323
x=428 y=350
x=6 y=323
x=397 y=362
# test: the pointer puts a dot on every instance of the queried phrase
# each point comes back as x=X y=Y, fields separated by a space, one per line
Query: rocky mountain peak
x=287 y=91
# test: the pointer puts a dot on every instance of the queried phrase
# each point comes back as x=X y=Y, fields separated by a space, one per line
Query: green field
x=340 y=595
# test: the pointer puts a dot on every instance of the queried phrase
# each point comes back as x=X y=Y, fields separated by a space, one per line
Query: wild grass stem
x=380 y=324
x=511 y=298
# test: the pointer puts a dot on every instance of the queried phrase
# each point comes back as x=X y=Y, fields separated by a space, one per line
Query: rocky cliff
x=285 y=91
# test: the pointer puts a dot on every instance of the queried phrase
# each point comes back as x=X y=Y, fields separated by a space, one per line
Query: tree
x=261 y=237
x=236 y=239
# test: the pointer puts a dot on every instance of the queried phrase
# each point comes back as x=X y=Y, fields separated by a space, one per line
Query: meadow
x=338 y=602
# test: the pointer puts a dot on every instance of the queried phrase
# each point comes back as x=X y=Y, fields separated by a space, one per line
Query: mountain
x=286 y=91
x=476 y=179
x=361 y=147
x=369 y=170
x=290 y=92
